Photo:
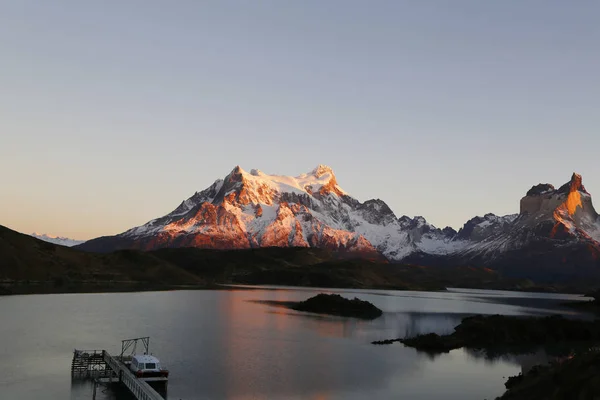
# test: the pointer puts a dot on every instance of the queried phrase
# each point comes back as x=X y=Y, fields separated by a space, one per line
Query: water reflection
x=400 y=324
x=294 y=356
x=528 y=357
x=220 y=345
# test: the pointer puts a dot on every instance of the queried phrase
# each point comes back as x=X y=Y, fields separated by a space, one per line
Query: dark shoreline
x=49 y=287
x=83 y=288
x=492 y=331
x=571 y=376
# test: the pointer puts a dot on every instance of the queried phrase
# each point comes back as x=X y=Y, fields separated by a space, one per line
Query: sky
x=112 y=112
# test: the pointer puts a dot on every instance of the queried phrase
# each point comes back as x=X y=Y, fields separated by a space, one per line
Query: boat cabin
x=147 y=366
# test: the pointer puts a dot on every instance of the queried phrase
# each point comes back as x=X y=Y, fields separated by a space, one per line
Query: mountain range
x=30 y=265
x=555 y=235
x=60 y=240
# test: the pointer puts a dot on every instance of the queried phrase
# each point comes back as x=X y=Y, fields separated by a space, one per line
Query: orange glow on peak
x=574 y=201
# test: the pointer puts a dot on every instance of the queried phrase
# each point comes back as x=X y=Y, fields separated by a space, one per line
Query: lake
x=222 y=345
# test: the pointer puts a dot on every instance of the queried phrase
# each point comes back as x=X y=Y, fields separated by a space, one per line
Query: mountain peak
x=328 y=181
x=540 y=189
x=237 y=170
x=575 y=184
x=236 y=175
x=321 y=170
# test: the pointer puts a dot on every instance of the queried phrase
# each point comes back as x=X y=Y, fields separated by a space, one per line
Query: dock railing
x=140 y=389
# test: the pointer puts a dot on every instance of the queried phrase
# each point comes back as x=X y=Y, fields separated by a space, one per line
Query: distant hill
x=29 y=265
x=63 y=241
x=321 y=268
x=34 y=262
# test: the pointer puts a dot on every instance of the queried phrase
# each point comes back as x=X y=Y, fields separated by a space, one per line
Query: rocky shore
x=573 y=377
x=576 y=376
x=495 y=331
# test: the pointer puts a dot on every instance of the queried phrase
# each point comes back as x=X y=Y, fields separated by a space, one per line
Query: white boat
x=147 y=366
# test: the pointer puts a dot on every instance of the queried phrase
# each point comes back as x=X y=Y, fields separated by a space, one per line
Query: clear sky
x=112 y=112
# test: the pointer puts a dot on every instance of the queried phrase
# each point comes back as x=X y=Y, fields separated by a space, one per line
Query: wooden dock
x=103 y=368
x=137 y=386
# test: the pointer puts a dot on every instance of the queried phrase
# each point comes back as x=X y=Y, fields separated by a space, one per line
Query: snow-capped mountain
x=254 y=209
x=547 y=215
x=555 y=236
x=479 y=228
x=63 y=241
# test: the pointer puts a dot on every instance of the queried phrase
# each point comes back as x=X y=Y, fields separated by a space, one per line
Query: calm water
x=221 y=345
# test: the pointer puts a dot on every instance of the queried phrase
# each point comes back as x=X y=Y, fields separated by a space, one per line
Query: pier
x=104 y=368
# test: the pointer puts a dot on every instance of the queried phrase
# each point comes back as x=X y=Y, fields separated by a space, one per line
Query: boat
x=147 y=366
x=143 y=364
x=143 y=374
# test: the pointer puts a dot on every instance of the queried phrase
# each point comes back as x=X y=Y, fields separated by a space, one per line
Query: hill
x=28 y=265
x=31 y=265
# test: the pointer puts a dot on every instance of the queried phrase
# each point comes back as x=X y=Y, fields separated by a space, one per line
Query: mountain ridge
x=60 y=240
x=29 y=265
x=254 y=209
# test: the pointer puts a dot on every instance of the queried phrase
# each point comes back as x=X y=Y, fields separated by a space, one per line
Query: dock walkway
x=138 y=387
x=101 y=366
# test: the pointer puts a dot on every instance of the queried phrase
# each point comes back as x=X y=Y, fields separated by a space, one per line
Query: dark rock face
x=467 y=229
x=301 y=199
x=405 y=221
x=376 y=212
x=540 y=189
x=334 y=304
x=418 y=229
x=413 y=223
x=449 y=232
x=480 y=228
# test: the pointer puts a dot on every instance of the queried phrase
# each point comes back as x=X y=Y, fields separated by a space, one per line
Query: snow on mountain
x=479 y=228
x=63 y=241
x=548 y=218
x=255 y=209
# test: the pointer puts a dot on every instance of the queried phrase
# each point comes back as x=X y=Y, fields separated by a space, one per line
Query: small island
x=331 y=304
x=334 y=304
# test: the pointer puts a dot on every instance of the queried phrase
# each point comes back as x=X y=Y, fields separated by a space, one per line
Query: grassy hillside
x=26 y=261
x=29 y=265
x=320 y=268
